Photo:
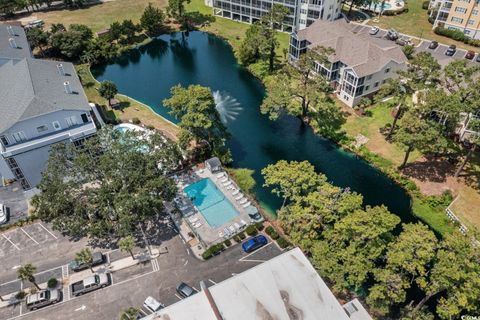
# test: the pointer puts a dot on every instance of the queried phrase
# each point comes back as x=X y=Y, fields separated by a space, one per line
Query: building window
x=71 y=121
x=383 y=81
x=346 y=97
x=460 y=9
x=387 y=70
x=19 y=136
x=470 y=22
x=42 y=129
x=457 y=20
x=303 y=21
x=467 y=31
x=474 y=12
x=4 y=140
x=84 y=117
x=303 y=11
x=367 y=87
x=376 y=84
x=56 y=125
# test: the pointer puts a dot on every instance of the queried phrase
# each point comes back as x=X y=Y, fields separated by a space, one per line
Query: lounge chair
x=232 y=229
x=243 y=201
x=243 y=224
x=230 y=187
x=226 y=232
x=226 y=184
x=240 y=196
x=235 y=192
x=218 y=176
x=246 y=204
x=193 y=219
x=237 y=226
x=220 y=234
x=197 y=225
x=224 y=179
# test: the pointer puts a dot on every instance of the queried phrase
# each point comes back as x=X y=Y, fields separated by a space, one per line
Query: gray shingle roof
x=32 y=87
x=20 y=38
x=363 y=53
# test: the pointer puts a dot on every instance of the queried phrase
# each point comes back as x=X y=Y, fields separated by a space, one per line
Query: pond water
x=148 y=73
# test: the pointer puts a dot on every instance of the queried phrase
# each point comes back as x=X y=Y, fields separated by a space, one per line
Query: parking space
x=15 y=199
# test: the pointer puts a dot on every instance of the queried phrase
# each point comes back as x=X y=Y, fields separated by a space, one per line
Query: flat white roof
x=283 y=288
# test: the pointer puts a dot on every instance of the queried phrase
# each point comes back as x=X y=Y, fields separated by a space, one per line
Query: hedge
x=213 y=250
x=242 y=236
x=259 y=226
x=283 y=243
x=227 y=242
x=272 y=233
x=251 y=230
x=456 y=35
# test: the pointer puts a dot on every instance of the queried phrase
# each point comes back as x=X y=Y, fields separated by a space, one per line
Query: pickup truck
x=98 y=258
x=91 y=283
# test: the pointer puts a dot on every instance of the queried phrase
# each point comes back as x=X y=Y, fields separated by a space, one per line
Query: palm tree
x=85 y=256
x=126 y=244
x=27 y=272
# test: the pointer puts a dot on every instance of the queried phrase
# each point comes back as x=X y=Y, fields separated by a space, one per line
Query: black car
x=478 y=58
x=451 y=50
x=184 y=290
x=98 y=258
x=433 y=45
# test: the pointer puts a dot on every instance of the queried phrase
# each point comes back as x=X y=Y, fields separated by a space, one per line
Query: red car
x=470 y=54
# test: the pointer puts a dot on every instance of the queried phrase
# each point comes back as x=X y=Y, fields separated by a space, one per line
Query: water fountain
x=227 y=106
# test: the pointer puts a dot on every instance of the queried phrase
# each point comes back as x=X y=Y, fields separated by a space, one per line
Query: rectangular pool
x=211 y=202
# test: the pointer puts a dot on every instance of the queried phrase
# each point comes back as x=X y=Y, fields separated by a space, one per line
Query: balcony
x=73 y=133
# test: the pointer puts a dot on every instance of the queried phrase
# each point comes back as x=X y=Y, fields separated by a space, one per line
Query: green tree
x=99 y=51
x=199 y=120
x=268 y=25
x=249 y=50
x=473 y=142
x=57 y=27
x=408 y=50
x=85 y=31
x=127 y=244
x=115 y=31
x=68 y=43
x=37 y=38
x=176 y=9
x=108 y=90
x=85 y=256
x=244 y=178
x=358 y=3
x=130 y=314
x=129 y=29
x=415 y=133
x=109 y=186
x=26 y=272
x=152 y=20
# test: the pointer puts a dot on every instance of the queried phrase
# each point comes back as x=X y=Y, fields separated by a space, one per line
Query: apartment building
x=41 y=103
x=462 y=15
x=302 y=12
x=360 y=64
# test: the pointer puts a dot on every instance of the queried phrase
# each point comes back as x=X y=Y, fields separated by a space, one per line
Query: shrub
x=212 y=251
x=20 y=295
x=136 y=121
x=272 y=233
x=259 y=226
x=237 y=239
x=457 y=35
x=242 y=236
x=52 y=283
x=251 y=230
x=425 y=5
x=283 y=243
x=33 y=290
x=150 y=127
x=227 y=243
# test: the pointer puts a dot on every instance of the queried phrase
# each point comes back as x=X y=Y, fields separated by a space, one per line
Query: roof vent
x=13 y=44
x=61 y=70
x=10 y=31
x=67 y=87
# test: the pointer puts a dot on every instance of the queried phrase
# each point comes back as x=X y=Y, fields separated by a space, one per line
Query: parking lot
x=51 y=252
x=15 y=199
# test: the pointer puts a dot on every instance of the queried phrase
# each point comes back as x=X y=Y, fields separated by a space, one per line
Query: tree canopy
x=152 y=20
x=107 y=90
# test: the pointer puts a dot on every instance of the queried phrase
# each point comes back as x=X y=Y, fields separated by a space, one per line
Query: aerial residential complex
x=285 y=287
x=360 y=63
x=462 y=15
x=302 y=12
x=42 y=103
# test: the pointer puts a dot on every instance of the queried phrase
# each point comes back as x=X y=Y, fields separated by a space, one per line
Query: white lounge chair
x=240 y=196
x=226 y=232
x=237 y=226
x=193 y=219
x=246 y=204
x=243 y=224
x=235 y=191
x=232 y=229
x=226 y=184
x=224 y=179
x=197 y=225
x=243 y=201
x=230 y=187
x=220 y=175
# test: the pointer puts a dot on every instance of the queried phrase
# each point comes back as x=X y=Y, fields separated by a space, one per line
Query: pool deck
x=203 y=230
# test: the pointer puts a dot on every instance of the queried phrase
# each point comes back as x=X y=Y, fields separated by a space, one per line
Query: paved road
x=130 y=287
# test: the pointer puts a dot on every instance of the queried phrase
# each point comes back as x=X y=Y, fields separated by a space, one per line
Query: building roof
x=213 y=162
x=283 y=288
x=363 y=53
x=20 y=38
x=32 y=87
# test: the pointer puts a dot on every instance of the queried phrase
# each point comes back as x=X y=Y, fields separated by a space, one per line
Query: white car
x=3 y=213
x=374 y=30
x=152 y=304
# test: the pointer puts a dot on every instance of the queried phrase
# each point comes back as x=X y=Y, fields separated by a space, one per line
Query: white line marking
x=248 y=255
x=29 y=236
x=188 y=252
x=11 y=242
x=212 y=281
x=249 y=260
x=83 y=307
x=179 y=298
x=195 y=289
x=16 y=267
x=48 y=231
x=186 y=262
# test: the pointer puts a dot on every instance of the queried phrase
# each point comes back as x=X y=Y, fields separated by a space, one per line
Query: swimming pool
x=211 y=202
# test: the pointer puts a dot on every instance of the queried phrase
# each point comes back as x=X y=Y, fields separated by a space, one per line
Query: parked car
x=470 y=55
x=401 y=42
x=43 y=298
x=433 y=45
x=374 y=30
x=98 y=258
x=392 y=34
x=152 y=304
x=184 y=290
x=35 y=24
x=451 y=50
x=3 y=214
x=478 y=58
x=254 y=243
x=91 y=283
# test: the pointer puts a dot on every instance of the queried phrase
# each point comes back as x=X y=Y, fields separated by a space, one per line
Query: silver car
x=3 y=213
x=43 y=298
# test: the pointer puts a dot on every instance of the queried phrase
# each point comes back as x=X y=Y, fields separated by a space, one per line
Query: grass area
x=415 y=23
x=369 y=127
x=100 y=16
x=466 y=207
x=434 y=217
x=129 y=108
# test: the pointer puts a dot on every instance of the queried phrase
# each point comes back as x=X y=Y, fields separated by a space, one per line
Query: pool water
x=211 y=202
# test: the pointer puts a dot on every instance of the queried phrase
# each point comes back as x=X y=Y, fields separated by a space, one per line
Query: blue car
x=254 y=243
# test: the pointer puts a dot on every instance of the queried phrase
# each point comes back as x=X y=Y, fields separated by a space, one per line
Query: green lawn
x=415 y=23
